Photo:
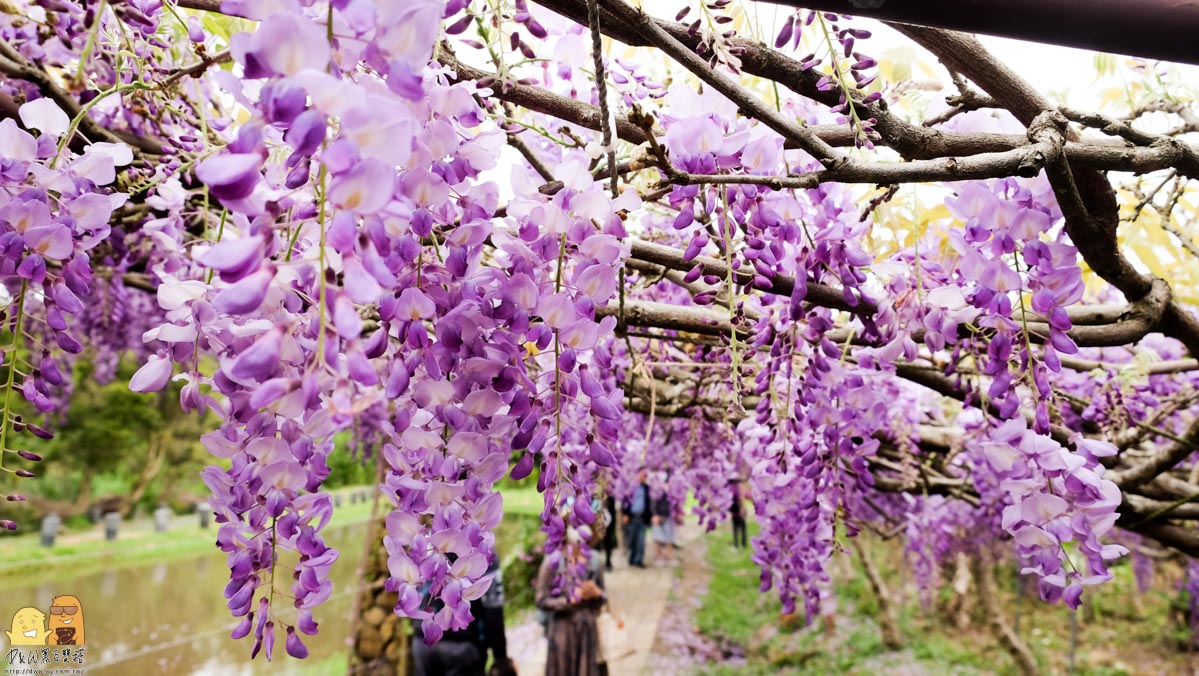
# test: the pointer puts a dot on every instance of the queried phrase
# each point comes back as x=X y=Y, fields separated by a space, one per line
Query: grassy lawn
x=1121 y=631
x=525 y=500
x=23 y=560
x=735 y=612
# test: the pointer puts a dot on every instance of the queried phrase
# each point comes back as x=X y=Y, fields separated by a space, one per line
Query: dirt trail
x=638 y=596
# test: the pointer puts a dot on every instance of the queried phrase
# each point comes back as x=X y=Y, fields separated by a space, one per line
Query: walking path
x=679 y=647
x=638 y=596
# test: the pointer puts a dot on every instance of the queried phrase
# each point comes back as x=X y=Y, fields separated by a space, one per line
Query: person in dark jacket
x=737 y=512
x=464 y=652
x=637 y=516
x=662 y=530
x=609 y=541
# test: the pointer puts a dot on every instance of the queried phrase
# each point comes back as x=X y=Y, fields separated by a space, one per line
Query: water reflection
x=108 y=587
x=170 y=617
x=159 y=575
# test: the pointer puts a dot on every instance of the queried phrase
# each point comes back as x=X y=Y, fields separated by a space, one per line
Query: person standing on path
x=572 y=641
x=609 y=540
x=636 y=517
x=663 y=530
x=737 y=511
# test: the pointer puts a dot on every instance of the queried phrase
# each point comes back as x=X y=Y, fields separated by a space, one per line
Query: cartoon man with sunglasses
x=66 y=621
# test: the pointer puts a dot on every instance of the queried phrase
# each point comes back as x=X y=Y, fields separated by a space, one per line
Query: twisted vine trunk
x=155 y=457
x=961 y=606
x=381 y=646
x=886 y=609
x=984 y=574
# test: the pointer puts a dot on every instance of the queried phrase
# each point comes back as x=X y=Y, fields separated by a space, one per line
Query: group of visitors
x=570 y=620
x=660 y=516
x=573 y=639
x=570 y=611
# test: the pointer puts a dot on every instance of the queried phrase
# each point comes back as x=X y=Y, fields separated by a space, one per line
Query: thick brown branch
x=818 y=294
x=753 y=106
x=944 y=385
x=1161 y=367
x=15 y=65
x=543 y=101
x=203 y=5
x=1161 y=461
x=691 y=319
x=1182 y=538
x=1027 y=161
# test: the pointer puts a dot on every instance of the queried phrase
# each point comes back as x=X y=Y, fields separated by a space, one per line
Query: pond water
x=170 y=617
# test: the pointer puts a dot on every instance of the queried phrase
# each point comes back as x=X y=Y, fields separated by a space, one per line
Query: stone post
x=112 y=521
x=50 y=526
x=162 y=519
x=205 y=511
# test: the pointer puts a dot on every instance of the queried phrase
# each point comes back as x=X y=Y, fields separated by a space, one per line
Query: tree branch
x=752 y=105
x=15 y=65
x=818 y=294
x=1161 y=461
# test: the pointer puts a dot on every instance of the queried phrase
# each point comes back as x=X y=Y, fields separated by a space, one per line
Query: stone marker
x=162 y=518
x=205 y=511
x=50 y=525
x=112 y=521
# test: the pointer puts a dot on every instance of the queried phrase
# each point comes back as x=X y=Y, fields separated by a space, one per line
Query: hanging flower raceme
x=301 y=252
x=1054 y=499
x=54 y=210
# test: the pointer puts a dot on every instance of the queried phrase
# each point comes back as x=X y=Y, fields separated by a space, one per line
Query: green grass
x=733 y=609
x=524 y=500
x=1121 y=630
x=23 y=560
x=333 y=664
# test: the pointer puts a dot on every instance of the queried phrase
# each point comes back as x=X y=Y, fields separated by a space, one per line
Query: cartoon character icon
x=66 y=621
x=28 y=628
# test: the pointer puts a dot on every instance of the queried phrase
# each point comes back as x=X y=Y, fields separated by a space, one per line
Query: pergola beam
x=1158 y=29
